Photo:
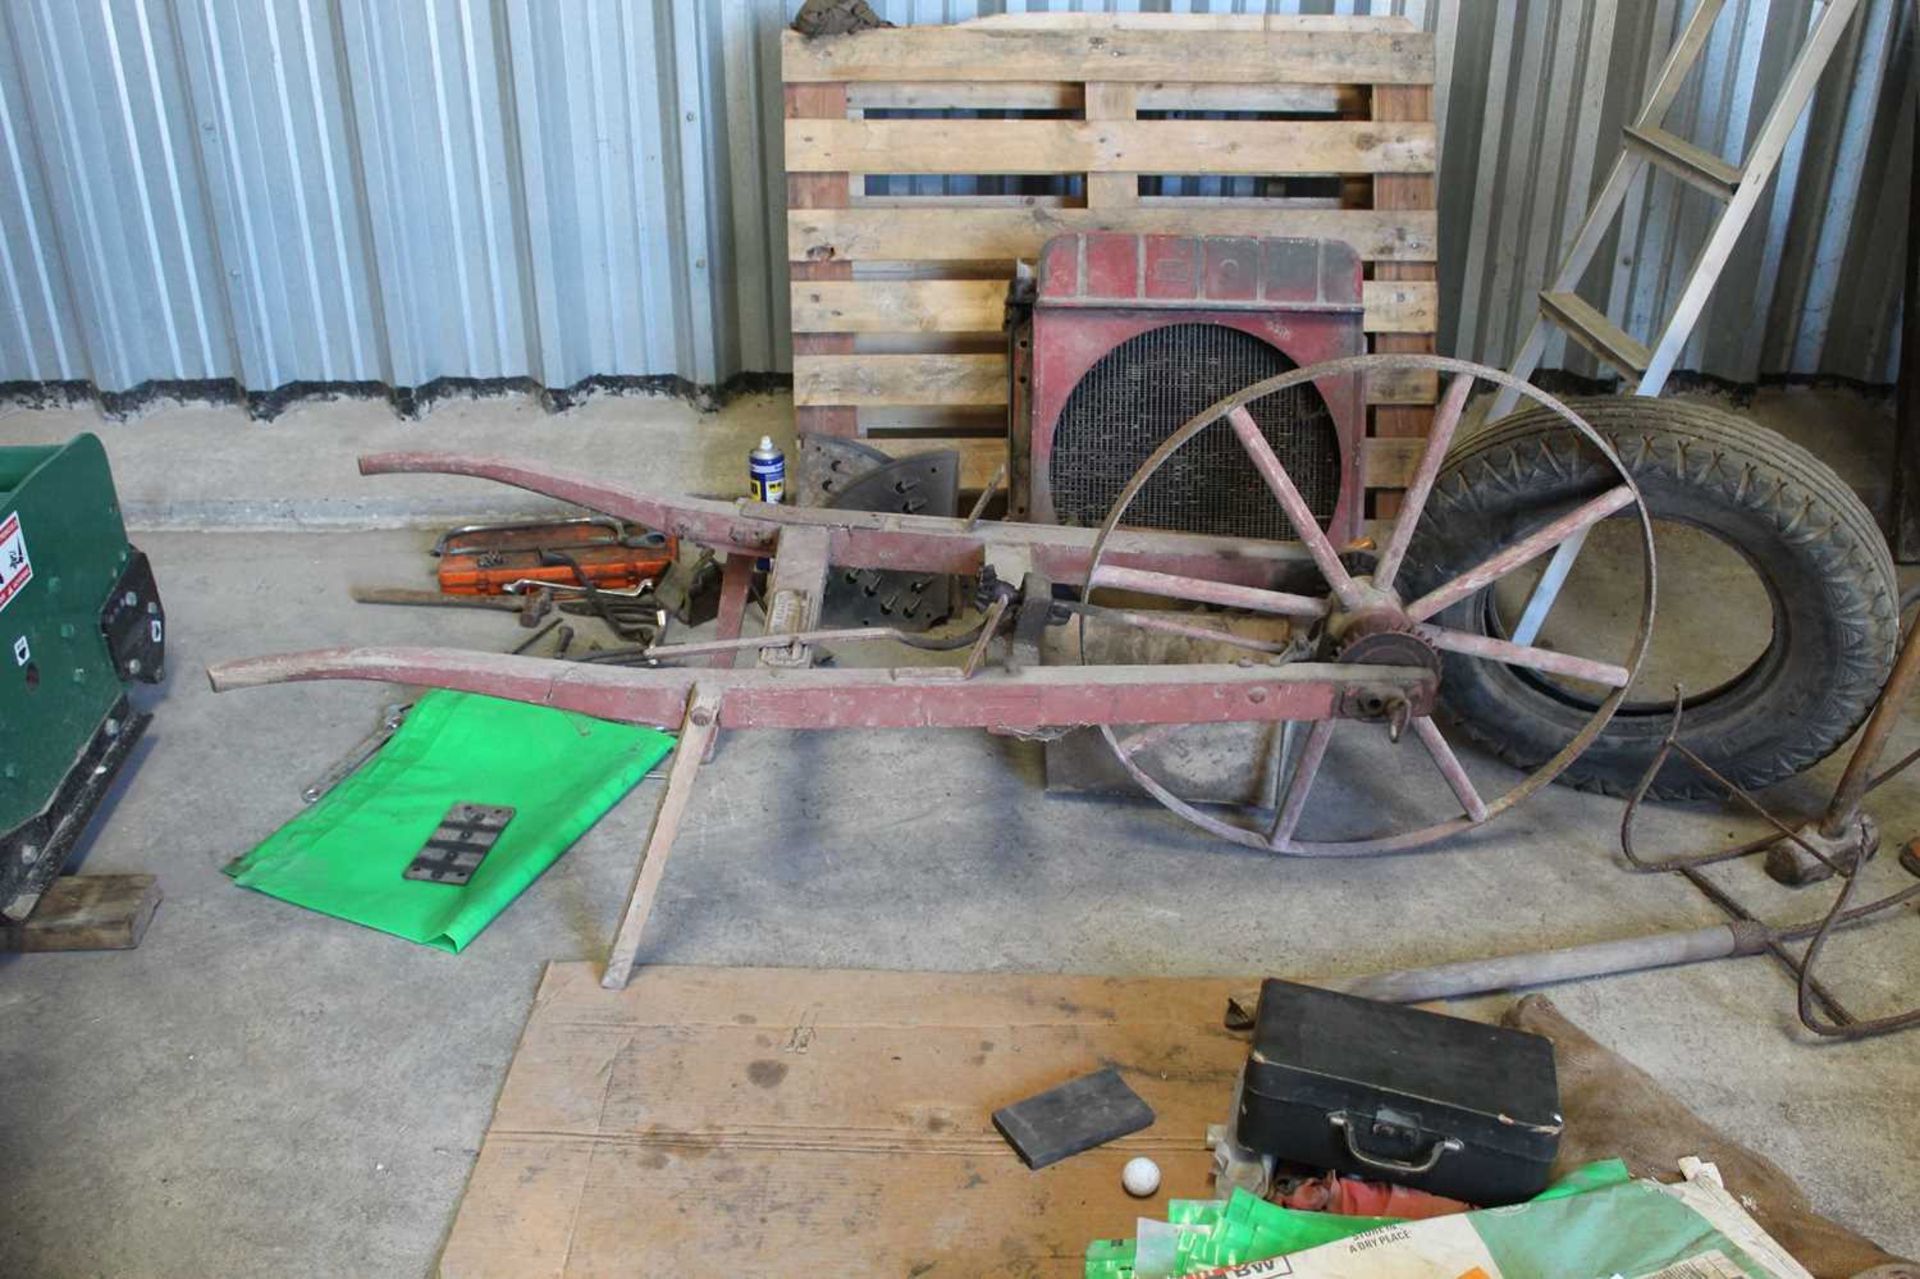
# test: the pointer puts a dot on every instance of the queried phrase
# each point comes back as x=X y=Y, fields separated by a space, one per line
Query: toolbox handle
x=1340 y=1120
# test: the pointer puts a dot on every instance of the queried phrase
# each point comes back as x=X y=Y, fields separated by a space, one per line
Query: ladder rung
x=1689 y=163
x=1596 y=332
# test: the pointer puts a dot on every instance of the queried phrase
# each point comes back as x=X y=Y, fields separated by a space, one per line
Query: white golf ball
x=1141 y=1176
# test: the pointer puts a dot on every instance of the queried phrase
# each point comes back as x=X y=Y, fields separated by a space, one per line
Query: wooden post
x=1402 y=191
x=821 y=191
x=703 y=721
x=1107 y=101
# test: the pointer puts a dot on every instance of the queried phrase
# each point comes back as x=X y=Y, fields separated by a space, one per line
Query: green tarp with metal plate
x=346 y=855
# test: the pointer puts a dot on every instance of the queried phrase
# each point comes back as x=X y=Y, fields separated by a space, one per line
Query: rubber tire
x=1811 y=541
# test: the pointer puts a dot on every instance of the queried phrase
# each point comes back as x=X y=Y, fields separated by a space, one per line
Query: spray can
x=767 y=472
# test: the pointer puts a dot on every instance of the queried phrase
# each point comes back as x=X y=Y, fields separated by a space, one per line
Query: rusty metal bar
x=913 y=697
x=1857 y=779
x=863 y=539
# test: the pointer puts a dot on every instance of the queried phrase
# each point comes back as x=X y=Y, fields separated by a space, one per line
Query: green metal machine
x=80 y=619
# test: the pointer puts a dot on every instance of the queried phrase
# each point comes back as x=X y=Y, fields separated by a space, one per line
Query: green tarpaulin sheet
x=345 y=855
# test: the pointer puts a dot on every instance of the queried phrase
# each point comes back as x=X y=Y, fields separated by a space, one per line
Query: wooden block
x=899 y=306
x=973 y=234
x=1389 y=463
x=86 y=912
x=1404 y=387
x=1116 y=146
x=1395 y=306
x=1261 y=54
x=856 y=380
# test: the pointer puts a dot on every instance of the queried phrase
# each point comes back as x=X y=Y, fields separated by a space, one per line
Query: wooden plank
x=1197 y=21
x=1102 y=146
x=829 y=235
x=979 y=306
x=820 y=191
x=959 y=380
x=1395 y=306
x=984 y=51
x=86 y=912
x=899 y=306
x=657 y=1130
x=1166 y=95
x=980 y=456
x=1396 y=194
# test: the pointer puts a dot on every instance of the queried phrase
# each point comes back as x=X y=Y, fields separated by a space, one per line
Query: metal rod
x=410 y=597
x=1548 y=588
x=986 y=496
x=1855 y=780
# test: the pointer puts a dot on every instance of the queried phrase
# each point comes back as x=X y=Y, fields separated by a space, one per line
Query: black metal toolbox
x=1455 y=1107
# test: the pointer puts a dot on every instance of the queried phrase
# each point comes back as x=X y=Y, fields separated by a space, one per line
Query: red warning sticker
x=16 y=570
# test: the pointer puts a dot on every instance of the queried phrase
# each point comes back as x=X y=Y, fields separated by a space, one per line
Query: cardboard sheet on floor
x=346 y=855
x=731 y=1121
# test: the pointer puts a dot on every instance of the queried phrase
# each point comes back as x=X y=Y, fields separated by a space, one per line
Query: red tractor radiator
x=1130 y=336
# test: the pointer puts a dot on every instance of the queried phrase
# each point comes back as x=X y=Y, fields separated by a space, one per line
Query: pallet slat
x=958 y=381
x=1051 y=95
x=979 y=306
x=1259 y=147
x=975 y=234
x=976 y=52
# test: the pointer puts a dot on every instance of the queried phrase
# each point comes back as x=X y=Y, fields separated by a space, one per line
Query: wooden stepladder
x=1738 y=186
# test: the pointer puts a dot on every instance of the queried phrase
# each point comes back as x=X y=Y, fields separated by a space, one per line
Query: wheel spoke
x=1528 y=548
x=1311 y=757
x=1449 y=765
x=1298 y=512
x=1538 y=659
x=1548 y=588
x=1446 y=420
x=1200 y=590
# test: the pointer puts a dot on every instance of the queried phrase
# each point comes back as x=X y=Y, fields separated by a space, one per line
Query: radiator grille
x=1144 y=390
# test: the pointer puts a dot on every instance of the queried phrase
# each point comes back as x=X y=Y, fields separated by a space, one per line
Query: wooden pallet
x=898 y=300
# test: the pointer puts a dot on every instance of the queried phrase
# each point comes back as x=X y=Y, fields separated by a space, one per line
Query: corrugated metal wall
x=267 y=193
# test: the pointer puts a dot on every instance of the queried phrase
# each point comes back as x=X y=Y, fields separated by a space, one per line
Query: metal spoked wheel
x=1360 y=619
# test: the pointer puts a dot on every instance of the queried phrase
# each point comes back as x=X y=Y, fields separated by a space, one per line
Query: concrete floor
x=261 y=1090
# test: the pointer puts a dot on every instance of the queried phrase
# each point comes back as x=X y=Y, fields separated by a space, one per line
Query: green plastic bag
x=558 y=770
x=1246 y=1228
